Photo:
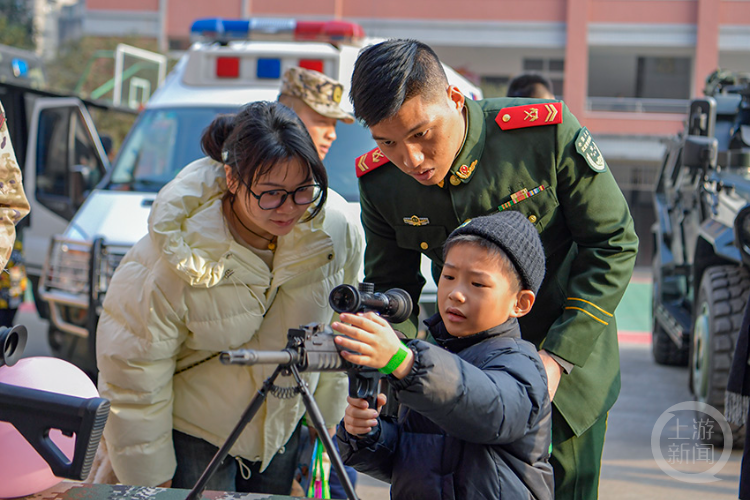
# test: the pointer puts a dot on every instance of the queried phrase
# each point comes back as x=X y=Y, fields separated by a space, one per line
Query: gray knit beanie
x=517 y=237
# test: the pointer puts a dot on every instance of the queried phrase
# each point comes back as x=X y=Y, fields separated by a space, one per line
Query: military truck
x=701 y=279
x=61 y=155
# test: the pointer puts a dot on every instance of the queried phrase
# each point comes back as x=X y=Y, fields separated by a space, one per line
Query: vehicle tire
x=663 y=348
x=56 y=341
x=665 y=351
x=42 y=308
x=63 y=345
x=717 y=318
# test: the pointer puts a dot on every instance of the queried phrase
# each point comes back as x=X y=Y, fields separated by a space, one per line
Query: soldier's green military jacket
x=582 y=218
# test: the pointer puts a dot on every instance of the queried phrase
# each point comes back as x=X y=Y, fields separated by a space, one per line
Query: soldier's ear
x=456 y=97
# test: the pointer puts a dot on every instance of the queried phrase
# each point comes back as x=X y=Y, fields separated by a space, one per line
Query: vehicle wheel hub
x=700 y=359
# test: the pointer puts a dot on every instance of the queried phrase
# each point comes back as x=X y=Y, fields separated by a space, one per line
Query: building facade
x=626 y=68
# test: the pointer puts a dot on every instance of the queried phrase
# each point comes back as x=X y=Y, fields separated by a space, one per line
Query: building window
x=494 y=86
x=663 y=78
x=631 y=82
x=533 y=65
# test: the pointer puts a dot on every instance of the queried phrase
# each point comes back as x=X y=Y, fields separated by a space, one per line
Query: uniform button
x=424 y=245
x=455 y=180
x=506 y=118
x=532 y=218
x=229 y=255
x=257 y=459
x=282 y=450
x=330 y=256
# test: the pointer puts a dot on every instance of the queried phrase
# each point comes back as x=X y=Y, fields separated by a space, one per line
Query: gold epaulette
x=370 y=161
x=530 y=115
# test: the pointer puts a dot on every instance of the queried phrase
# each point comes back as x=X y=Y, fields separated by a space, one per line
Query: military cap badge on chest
x=415 y=220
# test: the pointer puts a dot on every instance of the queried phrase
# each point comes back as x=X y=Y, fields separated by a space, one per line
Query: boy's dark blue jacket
x=475 y=422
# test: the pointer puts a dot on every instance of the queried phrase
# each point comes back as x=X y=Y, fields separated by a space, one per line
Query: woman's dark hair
x=390 y=73
x=260 y=136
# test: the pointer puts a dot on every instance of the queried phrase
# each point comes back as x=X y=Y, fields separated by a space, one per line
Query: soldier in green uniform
x=442 y=159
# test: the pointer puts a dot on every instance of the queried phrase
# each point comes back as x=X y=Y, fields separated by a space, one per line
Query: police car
x=231 y=63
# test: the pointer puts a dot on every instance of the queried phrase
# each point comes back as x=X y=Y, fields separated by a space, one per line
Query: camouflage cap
x=321 y=93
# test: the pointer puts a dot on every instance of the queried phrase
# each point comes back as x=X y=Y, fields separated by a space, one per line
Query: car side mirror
x=700 y=152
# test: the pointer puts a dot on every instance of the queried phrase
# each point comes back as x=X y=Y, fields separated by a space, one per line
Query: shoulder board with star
x=530 y=115
x=370 y=161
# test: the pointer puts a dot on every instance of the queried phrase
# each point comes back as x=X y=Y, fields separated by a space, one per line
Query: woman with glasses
x=242 y=246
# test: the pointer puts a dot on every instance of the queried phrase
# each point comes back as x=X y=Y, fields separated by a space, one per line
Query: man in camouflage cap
x=13 y=203
x=315 y=98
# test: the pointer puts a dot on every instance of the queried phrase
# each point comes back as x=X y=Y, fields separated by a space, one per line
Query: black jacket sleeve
x=373 y=454
x=494 y=403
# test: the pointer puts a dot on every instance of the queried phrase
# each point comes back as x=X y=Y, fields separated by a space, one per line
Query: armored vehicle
x=701 y=279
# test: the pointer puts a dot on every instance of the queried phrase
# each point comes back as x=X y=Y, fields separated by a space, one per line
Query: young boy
x=475 y=416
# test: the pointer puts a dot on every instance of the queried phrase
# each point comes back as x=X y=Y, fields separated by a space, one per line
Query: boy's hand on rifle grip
x=373 y=338
x=359 y=418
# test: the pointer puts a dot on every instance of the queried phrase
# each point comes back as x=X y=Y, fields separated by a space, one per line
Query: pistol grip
x=365 y=384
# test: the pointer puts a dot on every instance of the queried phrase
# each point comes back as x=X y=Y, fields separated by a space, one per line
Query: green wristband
x=396 y=360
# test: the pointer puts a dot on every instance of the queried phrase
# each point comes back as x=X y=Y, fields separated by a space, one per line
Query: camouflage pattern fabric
x=321 y=93
x=13 y=203
x=76 y=491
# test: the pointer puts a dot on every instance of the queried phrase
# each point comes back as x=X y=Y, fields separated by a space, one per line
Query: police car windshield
x=352 y=141
x=163 y=141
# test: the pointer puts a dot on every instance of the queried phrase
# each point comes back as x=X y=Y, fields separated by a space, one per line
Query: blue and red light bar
x=266 y=68
x=226 y=30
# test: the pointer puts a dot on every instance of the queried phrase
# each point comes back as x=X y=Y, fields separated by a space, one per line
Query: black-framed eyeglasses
x=303 y=195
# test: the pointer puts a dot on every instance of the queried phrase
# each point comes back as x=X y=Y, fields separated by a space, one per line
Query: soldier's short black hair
x=388 y=74
x=525 y=85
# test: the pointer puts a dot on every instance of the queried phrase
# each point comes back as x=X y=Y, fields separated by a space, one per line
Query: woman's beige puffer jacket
x=187 y=291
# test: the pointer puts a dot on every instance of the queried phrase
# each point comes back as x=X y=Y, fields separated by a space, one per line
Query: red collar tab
x=370 y=161
x=530 y=115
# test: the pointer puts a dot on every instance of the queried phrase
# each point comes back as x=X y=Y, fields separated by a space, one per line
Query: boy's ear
x=524 y=300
